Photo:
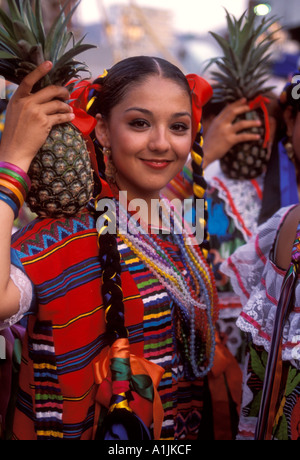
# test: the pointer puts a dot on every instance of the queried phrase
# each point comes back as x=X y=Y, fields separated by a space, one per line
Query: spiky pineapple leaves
x=24 y=43
x=242 y=71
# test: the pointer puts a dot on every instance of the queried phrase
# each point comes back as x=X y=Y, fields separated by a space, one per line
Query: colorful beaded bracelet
x=14 y=182
x=13 y=175
x=11 y=203
x=14 y=186
x=13 y=189
x=10 y=195
x=17 y=170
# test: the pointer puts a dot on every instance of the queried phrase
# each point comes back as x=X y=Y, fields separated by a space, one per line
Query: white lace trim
x=229 y=305
x=24 y=285
x=246 y=201
x=247 y=425
x=257 y=280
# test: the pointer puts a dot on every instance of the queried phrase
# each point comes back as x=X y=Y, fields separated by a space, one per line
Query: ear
x=102 y=131
x=289 y=120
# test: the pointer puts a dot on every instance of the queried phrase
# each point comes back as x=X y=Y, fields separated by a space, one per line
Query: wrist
x=22 y=164
x=15 y=156
x=14 y=186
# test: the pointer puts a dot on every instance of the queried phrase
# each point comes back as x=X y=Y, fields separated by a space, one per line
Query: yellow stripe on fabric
x=132 y=261
x=157 y=315
x=167 y=375
x=132 y=297
x=84 y=315
x=79 y=398
x=30 y=262
x=44 y=366
x=54 y=434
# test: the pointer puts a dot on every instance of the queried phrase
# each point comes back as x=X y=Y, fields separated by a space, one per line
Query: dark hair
x=128 y=72
x=113 y=86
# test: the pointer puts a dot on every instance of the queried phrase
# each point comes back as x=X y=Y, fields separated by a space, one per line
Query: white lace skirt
x=257 y=280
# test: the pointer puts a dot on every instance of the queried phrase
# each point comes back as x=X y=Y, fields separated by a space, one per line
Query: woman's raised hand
x=223 y=133
x=30 y=118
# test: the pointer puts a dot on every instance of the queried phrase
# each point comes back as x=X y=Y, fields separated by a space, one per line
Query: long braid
x=119 y=411
x=201 y=92
x=200 y=184
x=109 y=255
x=114 y=85
x=112 y=287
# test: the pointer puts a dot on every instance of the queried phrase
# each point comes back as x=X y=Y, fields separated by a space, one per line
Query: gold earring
x=110 y=169
x=106 y=151
x=289 y=148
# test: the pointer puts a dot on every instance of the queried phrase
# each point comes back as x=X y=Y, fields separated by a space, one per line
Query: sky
x=188 y=15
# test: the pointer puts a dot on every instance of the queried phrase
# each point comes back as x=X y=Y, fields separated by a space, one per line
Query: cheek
x=123 y=147
x=183 y=150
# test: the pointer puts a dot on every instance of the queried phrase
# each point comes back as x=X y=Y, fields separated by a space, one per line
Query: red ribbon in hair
x=201 y=94
x=260 y=102
x=80 y=99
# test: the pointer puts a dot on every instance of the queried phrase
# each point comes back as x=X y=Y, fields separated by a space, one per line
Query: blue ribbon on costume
x=288 y=180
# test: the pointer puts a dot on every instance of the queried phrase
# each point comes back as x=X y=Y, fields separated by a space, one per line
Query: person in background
x=234 y=205
x=265 y=275
x=120 y=339
x=233 y=210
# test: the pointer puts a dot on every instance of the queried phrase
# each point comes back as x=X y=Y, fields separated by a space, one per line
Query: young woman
x=265 y=274
x=120 y=334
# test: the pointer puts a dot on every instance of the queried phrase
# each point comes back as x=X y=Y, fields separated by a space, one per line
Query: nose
x=159 y=140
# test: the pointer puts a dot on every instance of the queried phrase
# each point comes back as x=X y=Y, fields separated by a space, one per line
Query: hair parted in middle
x=112 y=87
x=105 y=93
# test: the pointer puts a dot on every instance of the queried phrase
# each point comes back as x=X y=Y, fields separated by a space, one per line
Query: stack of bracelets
x=14 y=186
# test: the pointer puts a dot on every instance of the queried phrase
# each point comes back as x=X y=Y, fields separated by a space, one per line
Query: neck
x=143 y=210
x=142 y=205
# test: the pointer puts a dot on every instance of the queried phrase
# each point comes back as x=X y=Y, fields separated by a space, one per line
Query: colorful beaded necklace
x=193 y=290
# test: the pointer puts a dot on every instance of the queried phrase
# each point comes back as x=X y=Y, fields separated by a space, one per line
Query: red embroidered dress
x=259 y=281
x=65 y=333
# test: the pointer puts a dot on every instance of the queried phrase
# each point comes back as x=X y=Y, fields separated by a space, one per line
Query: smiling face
x=150 y=134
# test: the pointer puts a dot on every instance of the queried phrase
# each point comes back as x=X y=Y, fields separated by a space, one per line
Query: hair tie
x=103 y=75
x=201 y=94
x=80 y=100
x=260 y=102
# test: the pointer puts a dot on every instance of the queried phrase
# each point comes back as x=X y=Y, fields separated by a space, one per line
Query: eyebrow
x=148 y=112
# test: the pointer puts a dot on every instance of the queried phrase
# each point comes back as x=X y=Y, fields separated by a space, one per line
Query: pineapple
x=61 y=173
x=242 y=72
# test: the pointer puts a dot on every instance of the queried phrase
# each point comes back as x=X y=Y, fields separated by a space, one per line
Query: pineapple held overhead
x=61 y=173
x=243 y=71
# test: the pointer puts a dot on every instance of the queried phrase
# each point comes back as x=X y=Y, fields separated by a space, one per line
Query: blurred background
x=176 y=30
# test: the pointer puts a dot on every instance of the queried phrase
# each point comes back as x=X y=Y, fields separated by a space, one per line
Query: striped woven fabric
x=48 y=397
x=66 y=333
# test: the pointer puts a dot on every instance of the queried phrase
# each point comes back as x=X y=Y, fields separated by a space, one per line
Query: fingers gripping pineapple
x=61 y=173
x=242 y=71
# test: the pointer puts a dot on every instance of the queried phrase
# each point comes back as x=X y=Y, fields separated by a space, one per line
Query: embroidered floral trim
x=242 y=200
